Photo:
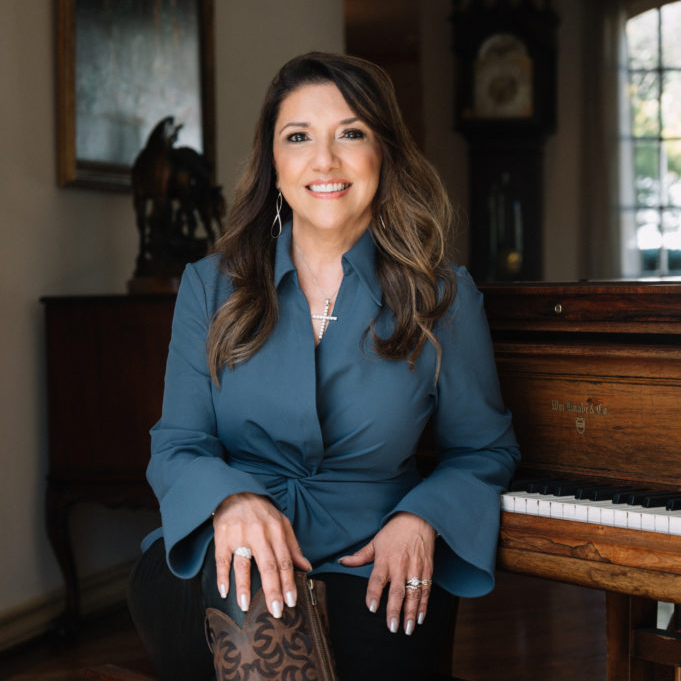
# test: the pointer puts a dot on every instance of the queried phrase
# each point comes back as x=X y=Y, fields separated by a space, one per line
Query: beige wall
x=446 y=149
x=67 y=241
x=54 y=241
x=563 y=154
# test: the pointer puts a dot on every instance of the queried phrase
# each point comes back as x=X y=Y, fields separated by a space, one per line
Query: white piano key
x=655 y=520
x=570 y=510
x=675 y=522
x=648 y=519
x=519 y=499
x=608 y=515
x=593 y=513
x=662 y=522
x=581 y=512
x=507 y=502
x=532 y=504
x=544 y=507
x=517 y=502
x=599 y=512
x=620 y=515
x=634 y=519
x=556 y=507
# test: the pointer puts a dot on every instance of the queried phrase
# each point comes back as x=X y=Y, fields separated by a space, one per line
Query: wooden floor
x=526 y=630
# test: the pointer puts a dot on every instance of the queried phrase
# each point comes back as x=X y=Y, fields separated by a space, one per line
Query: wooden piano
x=592 y=375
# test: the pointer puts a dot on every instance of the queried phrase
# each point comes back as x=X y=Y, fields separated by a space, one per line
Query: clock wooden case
x=506 y=54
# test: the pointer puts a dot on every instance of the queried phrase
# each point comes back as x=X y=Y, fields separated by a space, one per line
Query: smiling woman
x=308 y=354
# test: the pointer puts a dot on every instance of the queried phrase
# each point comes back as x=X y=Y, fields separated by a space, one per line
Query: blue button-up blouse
x=328 y=433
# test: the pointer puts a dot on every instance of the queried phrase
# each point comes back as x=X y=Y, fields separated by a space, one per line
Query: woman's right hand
x=252 y=521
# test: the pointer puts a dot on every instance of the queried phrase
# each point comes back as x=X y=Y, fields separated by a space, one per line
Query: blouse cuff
x=186 y=518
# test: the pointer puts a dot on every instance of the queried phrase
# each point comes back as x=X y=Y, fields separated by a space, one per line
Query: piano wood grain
x=616 y=559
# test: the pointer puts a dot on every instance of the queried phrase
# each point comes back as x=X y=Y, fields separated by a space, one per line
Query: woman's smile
x=330 y=189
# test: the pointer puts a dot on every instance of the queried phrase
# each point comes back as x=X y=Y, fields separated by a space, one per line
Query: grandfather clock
x=506 y=53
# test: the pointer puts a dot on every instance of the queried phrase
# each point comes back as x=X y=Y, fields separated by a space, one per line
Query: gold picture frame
x=121 y=67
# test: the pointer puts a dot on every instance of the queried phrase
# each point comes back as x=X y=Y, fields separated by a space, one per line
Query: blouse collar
x=361 y=258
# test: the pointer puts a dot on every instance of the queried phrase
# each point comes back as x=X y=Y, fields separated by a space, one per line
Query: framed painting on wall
x=122 y=66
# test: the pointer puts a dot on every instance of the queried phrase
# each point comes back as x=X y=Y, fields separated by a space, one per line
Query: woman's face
x=327 y=160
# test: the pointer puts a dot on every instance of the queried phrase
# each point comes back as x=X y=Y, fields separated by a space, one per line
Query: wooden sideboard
x=106 y=360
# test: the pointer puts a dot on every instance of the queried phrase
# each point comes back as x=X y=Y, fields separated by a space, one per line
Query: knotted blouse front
x=328 y=433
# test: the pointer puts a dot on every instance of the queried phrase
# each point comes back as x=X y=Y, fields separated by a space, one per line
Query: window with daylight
x=650 y=133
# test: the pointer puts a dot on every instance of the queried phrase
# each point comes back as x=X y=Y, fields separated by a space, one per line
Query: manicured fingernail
x=409 y=629
x=373 y=606
x=394 y=625
x=421 y=617
x=223 y=590
x=277 y=609
x=243 y=602
x=290 y=598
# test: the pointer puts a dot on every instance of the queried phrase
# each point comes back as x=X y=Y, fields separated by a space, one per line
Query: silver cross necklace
x=325 y=317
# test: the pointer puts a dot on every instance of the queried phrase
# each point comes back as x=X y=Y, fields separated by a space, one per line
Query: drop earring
x=277 y=217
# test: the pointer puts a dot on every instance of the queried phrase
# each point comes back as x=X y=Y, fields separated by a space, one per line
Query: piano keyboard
x=626 y=507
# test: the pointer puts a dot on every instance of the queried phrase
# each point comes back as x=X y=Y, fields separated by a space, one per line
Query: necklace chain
x=325 y=317
x=314 y=279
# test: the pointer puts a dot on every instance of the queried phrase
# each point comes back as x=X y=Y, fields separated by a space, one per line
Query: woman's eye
x=296 y=137
x=354 y=134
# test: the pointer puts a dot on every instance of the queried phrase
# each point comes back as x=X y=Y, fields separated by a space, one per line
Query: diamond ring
x=416 y=583
x=413 y=584
x=244 y=552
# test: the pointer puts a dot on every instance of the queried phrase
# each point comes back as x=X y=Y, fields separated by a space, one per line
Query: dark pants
x=169 y=615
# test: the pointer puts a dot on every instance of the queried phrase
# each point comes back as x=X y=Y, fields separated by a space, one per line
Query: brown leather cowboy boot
x=294 y=647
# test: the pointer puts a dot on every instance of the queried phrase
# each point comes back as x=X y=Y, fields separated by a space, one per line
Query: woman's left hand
x=401 y=551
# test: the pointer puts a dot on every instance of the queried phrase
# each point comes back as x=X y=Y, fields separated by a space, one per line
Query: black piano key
x=656 y=500
x=674 y=503
x=624 y=496
x=585 y=491
x=605 y=492
x=547 y=486
x=564 y=488
x=536 y=485
x=649 y=499
x=521 y=484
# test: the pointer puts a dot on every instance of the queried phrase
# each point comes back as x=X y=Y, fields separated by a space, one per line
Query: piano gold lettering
x=580 y=408
x=588 y=407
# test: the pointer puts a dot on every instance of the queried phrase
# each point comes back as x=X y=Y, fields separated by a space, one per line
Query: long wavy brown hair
x=410 y=226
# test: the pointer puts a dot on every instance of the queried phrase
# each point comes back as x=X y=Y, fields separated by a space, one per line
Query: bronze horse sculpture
x=172 y=187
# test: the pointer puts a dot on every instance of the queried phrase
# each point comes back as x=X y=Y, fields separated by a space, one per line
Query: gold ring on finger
x=426 y=582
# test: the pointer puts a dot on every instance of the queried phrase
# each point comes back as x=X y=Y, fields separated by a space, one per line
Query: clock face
x=503 y=79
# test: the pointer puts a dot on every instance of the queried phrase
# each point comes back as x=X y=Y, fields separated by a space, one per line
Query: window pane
x=671 y=151
x=648 y=239
x=642 y=40
x=644 y=97
x=671 y=104
x=671 y=238
x=647 y=165
x=671 y=30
